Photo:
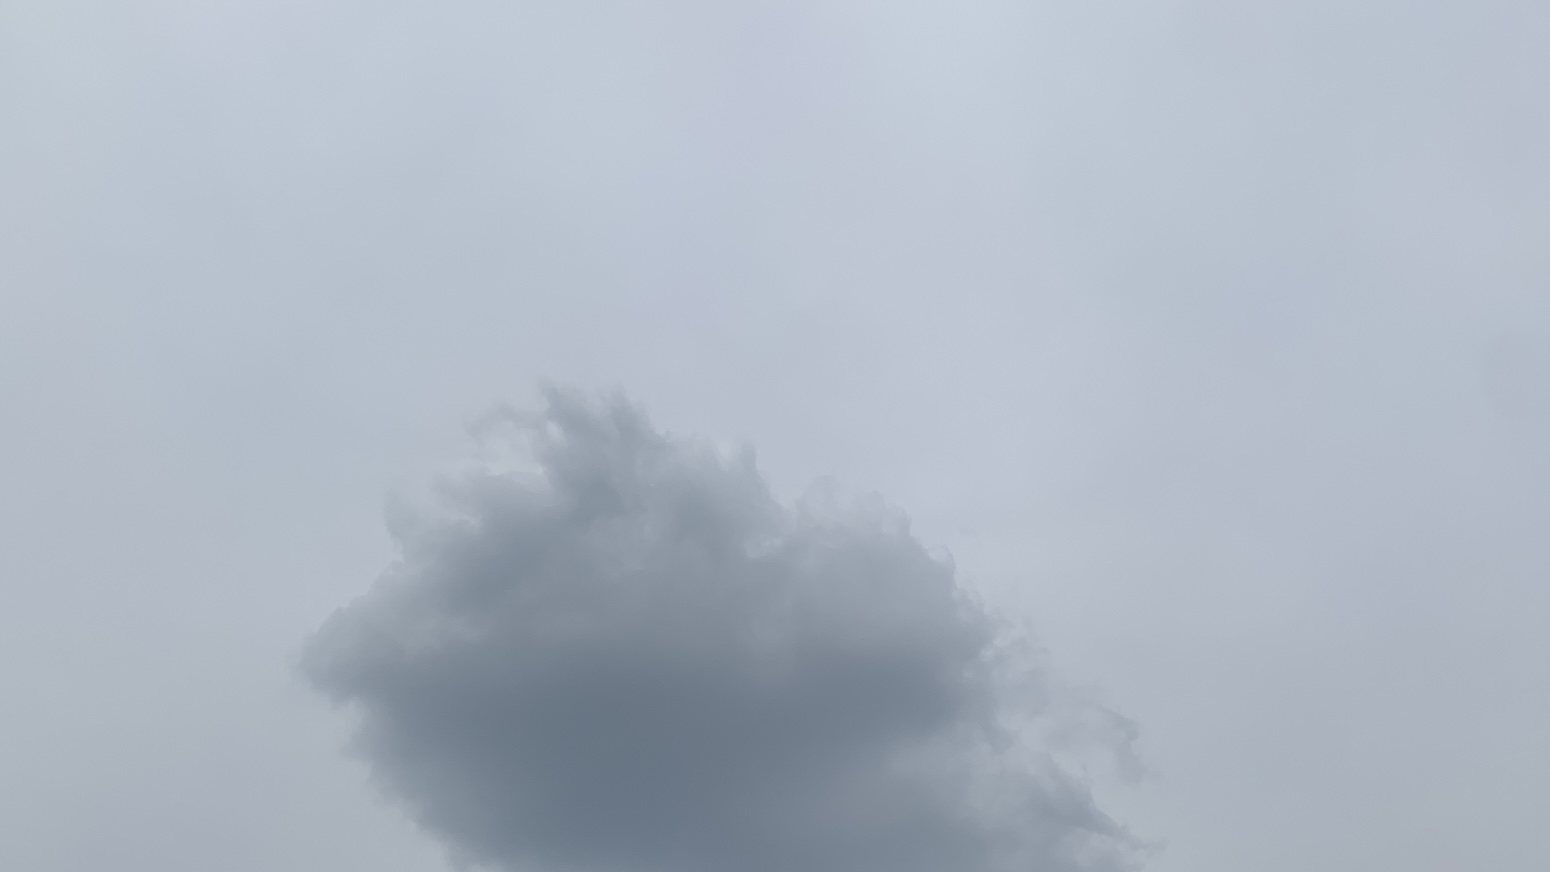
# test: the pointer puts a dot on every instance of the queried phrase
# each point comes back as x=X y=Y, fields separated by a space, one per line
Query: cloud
x=623 y=653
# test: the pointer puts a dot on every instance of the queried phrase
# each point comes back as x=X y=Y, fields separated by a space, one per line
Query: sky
x=1208 y=340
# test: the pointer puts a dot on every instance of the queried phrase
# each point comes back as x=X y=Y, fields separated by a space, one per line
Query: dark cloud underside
x=627 y=655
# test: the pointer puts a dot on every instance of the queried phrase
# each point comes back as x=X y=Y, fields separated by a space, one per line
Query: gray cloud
x=627 y=654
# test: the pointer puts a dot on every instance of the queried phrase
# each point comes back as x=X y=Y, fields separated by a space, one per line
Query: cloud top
x=625 y=654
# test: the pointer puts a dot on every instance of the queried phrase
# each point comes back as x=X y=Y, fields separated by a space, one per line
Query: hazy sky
x=1210 y=338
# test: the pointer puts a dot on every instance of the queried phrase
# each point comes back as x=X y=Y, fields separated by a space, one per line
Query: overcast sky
x=1210 y=338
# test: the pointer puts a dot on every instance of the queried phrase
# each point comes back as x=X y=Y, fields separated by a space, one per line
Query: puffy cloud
x=626 y=654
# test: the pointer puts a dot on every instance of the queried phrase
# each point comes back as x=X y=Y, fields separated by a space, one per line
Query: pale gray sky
x=1211 y=338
